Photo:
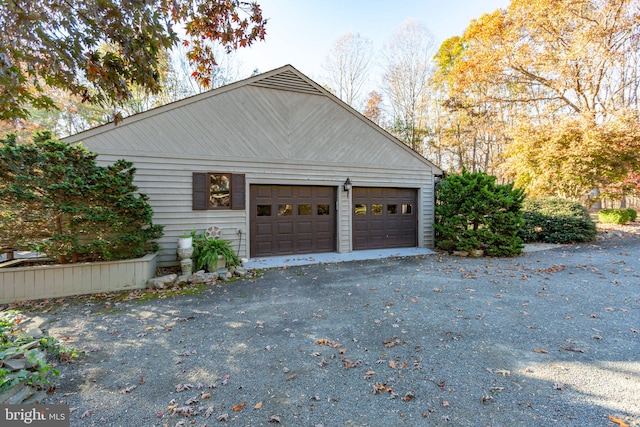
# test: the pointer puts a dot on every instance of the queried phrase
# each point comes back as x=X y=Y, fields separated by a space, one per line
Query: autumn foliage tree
x=574 y=155
x=56 y=43
x=561 y=75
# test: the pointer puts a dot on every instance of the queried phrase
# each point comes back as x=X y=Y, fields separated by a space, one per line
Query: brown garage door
x=384 y=218
x=288 y=220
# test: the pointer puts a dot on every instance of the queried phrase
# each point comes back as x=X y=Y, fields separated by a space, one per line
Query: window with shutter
x=213 y=190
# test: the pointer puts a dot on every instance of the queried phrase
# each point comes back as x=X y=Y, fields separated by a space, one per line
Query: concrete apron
x=333 y=257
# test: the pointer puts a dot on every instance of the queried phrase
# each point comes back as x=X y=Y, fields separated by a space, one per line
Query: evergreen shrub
x=55 y=199
x=475 y=213
x=556 y=220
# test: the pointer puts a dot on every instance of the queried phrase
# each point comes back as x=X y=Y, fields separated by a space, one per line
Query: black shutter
x=200 y=199
x=238 y=190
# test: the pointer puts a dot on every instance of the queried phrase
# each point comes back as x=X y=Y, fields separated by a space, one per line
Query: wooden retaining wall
x=54 y=281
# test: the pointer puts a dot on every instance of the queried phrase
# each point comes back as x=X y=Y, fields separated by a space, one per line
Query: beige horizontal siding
x=169 y=191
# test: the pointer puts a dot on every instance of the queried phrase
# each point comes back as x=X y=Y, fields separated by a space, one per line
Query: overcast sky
x=302 y=32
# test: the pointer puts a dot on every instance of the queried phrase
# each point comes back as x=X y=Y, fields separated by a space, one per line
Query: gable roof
x=286 y=78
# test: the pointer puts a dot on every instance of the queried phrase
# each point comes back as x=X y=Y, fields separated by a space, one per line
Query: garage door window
x=376 y=209
x=304 y=209
x=407 y=209
x=263 y=210
x=285 y=210
x=360 y=209
x=392 y=209
x=323 y=209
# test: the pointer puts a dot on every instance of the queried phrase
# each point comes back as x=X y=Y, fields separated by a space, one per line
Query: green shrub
x=556 y=220
x=473 y=212
x=633 y=214
x=207 y=249
x=54 y=198
x=614 y=216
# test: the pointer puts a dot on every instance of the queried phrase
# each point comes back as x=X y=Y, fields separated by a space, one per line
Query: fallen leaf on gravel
x=558 y=386
x=187 y=411
x=239 y=407
x=209 y=412
x=392 y=364
x=618 y=421
x=552 y=269
x=378 y=388
x=274 y=419
x=369 y=374
x=223 y=417
x=635 y=331
x=328 y=342
x=290 y=377
x=191 y=400
x=258 y=405
x=128 y=389
x=183 y=387
x=503 y=372
x=569 y=348
x=86 y=413
x=225 y=379
x=437 y=290
x=205 y=395
x=349 y=364
x=445 y=403
x=409 y=396
x=539 y=350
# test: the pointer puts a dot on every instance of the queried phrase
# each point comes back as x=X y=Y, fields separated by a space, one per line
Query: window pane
x=360 y=210
x=407 y=209
x=323 y=209
x=304 y=209
x=263 y=210
x=376 y=209
x=219 y=190
x=285 y=210
x=392 y=209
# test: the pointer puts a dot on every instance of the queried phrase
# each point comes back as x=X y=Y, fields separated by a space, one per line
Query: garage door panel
x=384 y=218
x=284 y=228
x=305 y=227
x=264 y=229
x=302 y=220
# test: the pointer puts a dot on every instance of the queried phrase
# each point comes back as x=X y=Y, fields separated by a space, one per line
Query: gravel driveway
x=547 y=338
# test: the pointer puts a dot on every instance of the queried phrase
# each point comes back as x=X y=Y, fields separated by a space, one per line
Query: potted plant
x=213 y=254
x=186 y=240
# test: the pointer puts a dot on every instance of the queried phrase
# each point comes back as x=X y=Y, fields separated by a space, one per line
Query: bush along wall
x=616 y=216
x=474 y=213
x=54 y=198
x=556 y=220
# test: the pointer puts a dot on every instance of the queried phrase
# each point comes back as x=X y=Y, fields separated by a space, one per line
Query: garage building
x=279 y=165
